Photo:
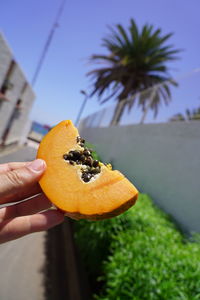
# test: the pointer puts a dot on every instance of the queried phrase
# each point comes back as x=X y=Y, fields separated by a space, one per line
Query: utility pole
x=82 y=106
x=48 y=43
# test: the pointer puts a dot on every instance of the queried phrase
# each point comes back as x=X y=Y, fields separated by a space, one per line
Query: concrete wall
x=20 y=117
x=5 y=59
x=162 y=160
x=5 y=107
x=10 y=117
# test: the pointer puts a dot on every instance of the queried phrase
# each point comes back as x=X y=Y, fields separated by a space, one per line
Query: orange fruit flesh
x=106 y=196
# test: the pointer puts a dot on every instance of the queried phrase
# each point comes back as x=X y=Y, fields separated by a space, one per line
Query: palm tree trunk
x=145 y=113
x=119 y=110
x=148 y=105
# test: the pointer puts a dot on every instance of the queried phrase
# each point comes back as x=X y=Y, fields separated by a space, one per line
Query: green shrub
x=151 y=260
x=94 y=239
x=140 y=255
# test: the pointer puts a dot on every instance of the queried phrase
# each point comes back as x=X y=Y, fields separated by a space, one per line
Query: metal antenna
x=48 y=42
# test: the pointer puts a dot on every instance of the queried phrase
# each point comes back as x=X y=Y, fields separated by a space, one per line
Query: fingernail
x=37 y=165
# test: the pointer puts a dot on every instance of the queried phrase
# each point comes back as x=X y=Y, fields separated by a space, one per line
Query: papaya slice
x=76 y=183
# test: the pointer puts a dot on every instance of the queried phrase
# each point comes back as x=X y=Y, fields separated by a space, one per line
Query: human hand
x=18 y=181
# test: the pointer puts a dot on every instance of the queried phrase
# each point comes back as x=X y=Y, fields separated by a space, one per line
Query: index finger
x=15 y=228
x=12 y=166
x=21 y=183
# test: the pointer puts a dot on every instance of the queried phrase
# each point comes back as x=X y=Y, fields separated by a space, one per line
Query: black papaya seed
x=86 y=152
x=70 y=155
x=78 y=139
x=82 y=158
x=95 y=163
x=89 y=161
x=76 y=154
x=86 y=177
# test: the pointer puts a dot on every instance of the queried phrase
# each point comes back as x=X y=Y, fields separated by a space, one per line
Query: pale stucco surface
x=15 y=120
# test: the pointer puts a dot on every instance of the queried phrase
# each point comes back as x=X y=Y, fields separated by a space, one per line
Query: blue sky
x=26 y=24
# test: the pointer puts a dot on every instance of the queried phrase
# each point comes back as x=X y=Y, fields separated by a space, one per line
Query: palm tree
x=136 y=61
x=188 y=116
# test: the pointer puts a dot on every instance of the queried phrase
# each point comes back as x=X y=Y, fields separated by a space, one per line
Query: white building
x=16 y=98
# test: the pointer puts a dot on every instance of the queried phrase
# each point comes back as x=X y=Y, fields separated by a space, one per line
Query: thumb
x=14 y=181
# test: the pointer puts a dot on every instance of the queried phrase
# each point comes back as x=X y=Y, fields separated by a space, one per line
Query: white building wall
x=7 y=108
x=5 y=59
x=20 y=120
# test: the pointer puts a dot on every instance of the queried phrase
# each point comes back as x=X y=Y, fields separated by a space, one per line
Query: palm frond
x=136 y=61
x=134 y=31
x=123 y=34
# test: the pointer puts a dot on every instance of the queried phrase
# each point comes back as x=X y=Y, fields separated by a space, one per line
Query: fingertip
x=53 y=218
x=12 y=229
